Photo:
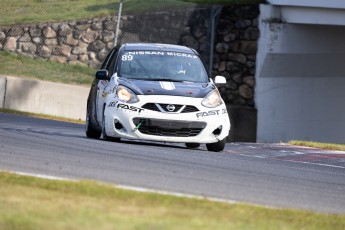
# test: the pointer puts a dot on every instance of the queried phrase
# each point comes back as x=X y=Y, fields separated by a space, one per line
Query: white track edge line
x=303 y=162
x=312 y=163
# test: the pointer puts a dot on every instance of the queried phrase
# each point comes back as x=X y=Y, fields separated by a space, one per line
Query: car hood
x=186 y=89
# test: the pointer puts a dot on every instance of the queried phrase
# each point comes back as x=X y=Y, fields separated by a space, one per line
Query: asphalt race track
x=266 y=174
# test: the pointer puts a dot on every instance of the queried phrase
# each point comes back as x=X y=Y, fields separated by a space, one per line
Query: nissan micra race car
x=157 y=92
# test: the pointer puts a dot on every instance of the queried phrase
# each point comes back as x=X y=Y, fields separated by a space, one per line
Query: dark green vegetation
x=33 y=11
x=330 y=146
x=33 y=203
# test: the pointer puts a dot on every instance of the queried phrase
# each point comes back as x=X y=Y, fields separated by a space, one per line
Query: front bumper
x=131 y=121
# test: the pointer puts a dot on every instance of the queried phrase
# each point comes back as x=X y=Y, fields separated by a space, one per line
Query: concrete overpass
x=300 y=71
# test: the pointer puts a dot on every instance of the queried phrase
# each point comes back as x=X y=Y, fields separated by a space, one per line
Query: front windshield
x=162 y=66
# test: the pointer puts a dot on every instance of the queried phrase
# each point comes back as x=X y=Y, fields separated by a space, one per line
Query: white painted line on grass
x=42 y=176
x=132 y=188
x=139 y=189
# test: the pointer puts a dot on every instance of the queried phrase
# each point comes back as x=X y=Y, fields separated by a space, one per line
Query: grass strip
x=34 y=11
x=34 y=203
x=18 y=65
x=44 y=116
x=330 y=146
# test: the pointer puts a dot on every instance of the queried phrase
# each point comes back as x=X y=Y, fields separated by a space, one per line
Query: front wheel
x=217 y=146
x=90 y=130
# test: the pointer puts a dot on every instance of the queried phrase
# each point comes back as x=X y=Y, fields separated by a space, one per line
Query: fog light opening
x=217 y=131
x=118 y=125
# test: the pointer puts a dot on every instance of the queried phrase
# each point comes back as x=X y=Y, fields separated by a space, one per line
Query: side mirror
x=102 y=75
x=220 y=80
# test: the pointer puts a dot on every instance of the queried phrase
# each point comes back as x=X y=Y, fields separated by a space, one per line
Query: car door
x=109 y=65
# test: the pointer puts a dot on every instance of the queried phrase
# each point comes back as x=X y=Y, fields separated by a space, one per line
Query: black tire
x=90 y=130
x=192 y=145
x=217 y=146
x=104 y=134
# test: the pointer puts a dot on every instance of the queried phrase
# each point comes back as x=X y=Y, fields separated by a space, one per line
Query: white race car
x=157 y=92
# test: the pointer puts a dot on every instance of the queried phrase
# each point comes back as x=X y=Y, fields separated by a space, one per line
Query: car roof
x=158 y=47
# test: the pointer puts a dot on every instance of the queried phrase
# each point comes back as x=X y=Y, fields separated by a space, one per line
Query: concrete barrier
x=300 y=75
x=46 y=98
x=70 y=101
x=3 y=81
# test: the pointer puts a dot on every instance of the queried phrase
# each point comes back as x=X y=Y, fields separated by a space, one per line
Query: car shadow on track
x=155 y=144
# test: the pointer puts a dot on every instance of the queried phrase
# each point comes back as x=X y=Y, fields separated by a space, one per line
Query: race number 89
x=127 y=57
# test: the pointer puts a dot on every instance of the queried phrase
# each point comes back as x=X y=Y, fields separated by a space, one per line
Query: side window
x=112 y=62
x=107 y=59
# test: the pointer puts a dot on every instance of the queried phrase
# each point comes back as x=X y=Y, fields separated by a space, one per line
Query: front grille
x=190 y=109
x=150 y=106
x=158 y=127
x=163 y=108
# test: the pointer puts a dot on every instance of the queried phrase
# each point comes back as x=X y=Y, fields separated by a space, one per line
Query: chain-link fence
x=75 y=37
x=81 y=33
x=172 y=22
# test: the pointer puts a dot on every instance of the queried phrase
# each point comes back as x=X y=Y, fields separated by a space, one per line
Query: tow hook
x=138 y=126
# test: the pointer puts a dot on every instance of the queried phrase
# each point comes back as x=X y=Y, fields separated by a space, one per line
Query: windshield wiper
x=155 y=79
x=162 y=79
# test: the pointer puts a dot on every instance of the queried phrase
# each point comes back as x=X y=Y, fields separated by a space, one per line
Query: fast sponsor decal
x=208 y=113
x=129 y=107
x=224 y=111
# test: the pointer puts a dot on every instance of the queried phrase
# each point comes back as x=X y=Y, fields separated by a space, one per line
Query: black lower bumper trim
x=160 y=127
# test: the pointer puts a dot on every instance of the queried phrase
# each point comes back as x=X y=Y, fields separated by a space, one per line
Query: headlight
x=126 y=95
x=212 y=99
